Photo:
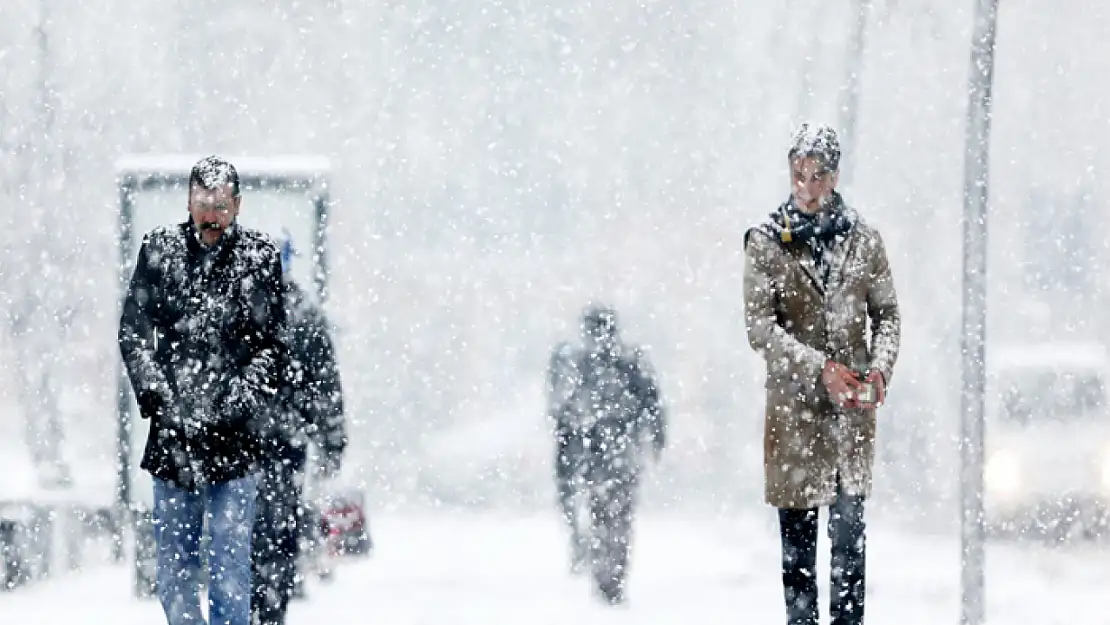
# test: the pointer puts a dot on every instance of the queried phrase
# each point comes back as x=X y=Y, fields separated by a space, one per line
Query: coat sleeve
x=652 y=413
x=136 y=333
x=562 y=384
x=551 y=388
x=765 y=335
x=328 y=426
x=882 y=309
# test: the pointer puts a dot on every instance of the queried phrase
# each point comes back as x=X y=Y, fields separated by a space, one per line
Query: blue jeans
x=179 y=518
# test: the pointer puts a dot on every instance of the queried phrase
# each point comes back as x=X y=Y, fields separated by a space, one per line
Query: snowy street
x=482 y=569
x=435 y=268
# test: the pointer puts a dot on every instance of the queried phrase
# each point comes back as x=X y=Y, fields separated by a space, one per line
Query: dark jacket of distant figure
x=612 y=400
x=310 y=395
x=202 y=335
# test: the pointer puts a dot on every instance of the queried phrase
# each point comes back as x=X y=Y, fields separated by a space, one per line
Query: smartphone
x=866 y=394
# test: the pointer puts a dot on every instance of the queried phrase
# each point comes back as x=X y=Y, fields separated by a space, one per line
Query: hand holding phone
x=872 y=391
x=841 y=383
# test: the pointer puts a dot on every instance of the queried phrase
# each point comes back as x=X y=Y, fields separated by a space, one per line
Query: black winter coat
x=203 y=339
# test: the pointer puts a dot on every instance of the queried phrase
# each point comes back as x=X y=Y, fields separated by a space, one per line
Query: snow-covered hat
x=818 y=141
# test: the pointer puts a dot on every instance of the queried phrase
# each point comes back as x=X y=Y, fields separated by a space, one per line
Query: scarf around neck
x=818 y=231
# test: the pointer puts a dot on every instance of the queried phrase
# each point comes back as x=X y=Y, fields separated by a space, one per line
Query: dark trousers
x=275 y=544
x=612 y=507
x=798 y=529
x=611 y=485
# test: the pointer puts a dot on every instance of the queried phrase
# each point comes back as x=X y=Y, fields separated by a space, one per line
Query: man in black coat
x=202 y=335
x=308 y=408
x=609 y=411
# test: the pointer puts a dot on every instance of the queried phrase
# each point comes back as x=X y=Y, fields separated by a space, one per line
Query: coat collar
x=197 y=250
x=838 y=252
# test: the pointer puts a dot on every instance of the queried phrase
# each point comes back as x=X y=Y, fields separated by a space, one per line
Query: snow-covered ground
x=485 y=569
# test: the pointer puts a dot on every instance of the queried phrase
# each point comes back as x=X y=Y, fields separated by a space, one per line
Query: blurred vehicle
x=334 y=524
x=344 y=524
x=1047 y=466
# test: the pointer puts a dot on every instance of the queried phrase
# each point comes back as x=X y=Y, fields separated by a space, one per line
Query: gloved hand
x=155 y=404
x=238 y=403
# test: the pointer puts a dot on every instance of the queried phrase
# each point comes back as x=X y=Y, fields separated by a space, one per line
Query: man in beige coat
x=817 y=285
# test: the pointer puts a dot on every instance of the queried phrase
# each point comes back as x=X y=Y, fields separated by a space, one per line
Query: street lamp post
x=849 y=108
x=976 y=171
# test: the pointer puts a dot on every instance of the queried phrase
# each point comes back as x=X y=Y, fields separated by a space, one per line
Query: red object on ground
x=342 y=518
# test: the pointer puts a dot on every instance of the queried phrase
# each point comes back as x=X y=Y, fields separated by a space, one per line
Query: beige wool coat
x=796 y=323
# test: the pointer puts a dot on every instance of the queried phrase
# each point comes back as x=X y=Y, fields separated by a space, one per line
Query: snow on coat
x=797 y=322
x=203 y=338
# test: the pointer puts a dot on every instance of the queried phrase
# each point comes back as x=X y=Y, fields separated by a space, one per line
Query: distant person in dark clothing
x=202 y=338
x=608 y=410
x=308 y=408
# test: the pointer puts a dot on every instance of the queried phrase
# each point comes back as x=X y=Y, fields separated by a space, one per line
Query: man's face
x=599 y=336
x=213 y=211
x=810 y=183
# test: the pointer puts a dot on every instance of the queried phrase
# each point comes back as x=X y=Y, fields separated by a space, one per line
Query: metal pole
x=125 y=500
x=849 y=109
x=977 y=149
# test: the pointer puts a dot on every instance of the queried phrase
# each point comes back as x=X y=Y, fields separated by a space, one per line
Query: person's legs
x=568 y=453
x=798 y=530
x=178 y=522
x=563 y=479
x=614 y=508
x=231 y=509
x=848 y=560
x=275 y=546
